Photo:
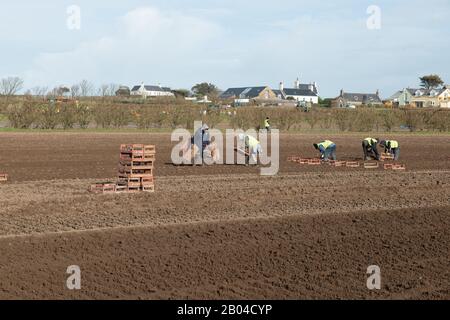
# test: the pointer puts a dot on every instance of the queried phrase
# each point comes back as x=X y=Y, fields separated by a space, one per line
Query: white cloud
x=338 y=50
x=147 y=41
x=255 y=43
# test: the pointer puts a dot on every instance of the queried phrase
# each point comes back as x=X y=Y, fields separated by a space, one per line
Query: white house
x=300 y=92
x=435 y=98
x=151 y=91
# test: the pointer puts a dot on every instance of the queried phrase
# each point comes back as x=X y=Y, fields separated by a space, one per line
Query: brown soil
x=222 y=231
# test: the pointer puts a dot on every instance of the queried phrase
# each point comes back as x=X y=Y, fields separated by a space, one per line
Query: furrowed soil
x=222 y=232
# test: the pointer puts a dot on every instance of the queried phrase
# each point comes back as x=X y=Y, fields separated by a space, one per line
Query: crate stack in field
x=353 y=164
x=136 y=165
x=3 y=177
x=386 y=156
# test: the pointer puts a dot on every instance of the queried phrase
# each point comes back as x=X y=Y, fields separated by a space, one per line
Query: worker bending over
x=391 y=147
x=267 y=124
x=252 y=146
x=201 y=139
x=370 y=149
x=327 y=150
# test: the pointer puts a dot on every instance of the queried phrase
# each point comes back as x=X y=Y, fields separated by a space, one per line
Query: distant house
x=347 y=99
x=300 y=92
x=445 y=102
x=151 y=91
x=403 y=97
x=434 y=98
x=246 y=94
x=422 y=98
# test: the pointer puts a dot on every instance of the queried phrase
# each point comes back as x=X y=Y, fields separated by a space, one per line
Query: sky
x=355 y=45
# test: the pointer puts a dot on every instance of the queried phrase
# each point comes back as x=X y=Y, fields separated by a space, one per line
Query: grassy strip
x=168 y=131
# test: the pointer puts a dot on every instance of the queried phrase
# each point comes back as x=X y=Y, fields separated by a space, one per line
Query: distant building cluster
x=352 y=100
x=306 y=93
x=422 y=98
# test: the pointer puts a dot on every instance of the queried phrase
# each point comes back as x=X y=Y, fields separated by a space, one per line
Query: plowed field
x=222 y=232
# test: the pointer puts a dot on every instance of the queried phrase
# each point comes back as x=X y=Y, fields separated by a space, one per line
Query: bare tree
x=42 y=91
x=53 y=92
x=39 y=91
x=103 y=90
x=10 y=86
x=108 y=89
x=86 y=88
x=75 y=90
x=112 y=88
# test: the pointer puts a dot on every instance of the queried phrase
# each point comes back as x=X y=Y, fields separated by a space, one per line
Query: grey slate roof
x=437 y=91
x=243 y=93
x=426 y=92
x=365 y=98
x=395 y=95
x=299 y=92
x=306 y=87
x=152 y=88
x=413 y=91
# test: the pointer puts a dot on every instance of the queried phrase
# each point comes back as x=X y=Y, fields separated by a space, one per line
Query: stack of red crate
x=136 y=165
x=386 y=156
x=103 y=187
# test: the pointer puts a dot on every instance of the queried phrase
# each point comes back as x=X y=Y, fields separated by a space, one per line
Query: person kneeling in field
x=252 y=146
x=370 y=149
x=327 y=150
x=392 y=147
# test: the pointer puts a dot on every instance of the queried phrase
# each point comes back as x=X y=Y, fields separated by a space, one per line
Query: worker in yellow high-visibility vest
x=252 y=146
x=392 y=147
x=267 y=124
x=370 y=149
x=327 y=149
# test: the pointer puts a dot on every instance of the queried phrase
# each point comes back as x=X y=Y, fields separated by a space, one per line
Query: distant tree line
x=105 y=113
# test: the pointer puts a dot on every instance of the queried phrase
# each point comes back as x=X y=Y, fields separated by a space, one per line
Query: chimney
x=378 y=92
x=281 y=86
x=311 y=87
x=342 y=93
x=297 y=84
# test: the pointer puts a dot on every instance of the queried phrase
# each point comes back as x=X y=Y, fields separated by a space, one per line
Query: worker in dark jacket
x=392 y=147
x=201 y=139
x=370 y=149
x=327 y=149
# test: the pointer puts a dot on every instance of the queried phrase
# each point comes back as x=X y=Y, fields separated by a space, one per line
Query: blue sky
x=228 y=42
